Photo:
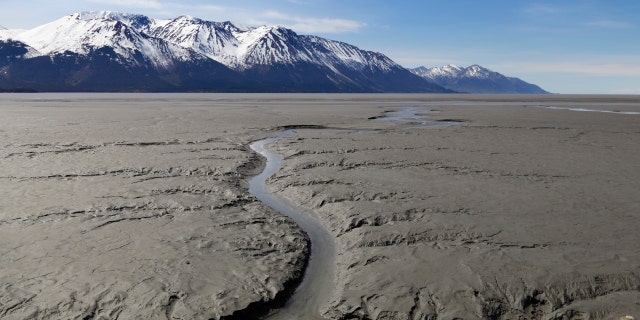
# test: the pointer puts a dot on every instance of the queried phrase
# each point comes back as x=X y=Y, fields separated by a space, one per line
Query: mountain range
x=475 y=79
x=109 y=51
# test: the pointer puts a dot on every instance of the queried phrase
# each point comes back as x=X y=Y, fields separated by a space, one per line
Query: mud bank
x=521 y=213
x=123 y=206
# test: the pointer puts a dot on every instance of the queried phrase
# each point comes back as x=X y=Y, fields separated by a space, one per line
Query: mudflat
x=498 y=207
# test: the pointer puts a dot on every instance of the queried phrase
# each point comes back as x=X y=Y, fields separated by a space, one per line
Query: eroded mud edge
x=263 y=308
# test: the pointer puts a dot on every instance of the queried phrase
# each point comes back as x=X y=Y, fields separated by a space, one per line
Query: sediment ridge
x=493 y=220
x=132 y=207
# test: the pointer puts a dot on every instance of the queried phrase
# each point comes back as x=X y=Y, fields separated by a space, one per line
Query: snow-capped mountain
x=213 y=39
x=170 y=54
x=83 y=34
x=475 y=79
x=240 y=48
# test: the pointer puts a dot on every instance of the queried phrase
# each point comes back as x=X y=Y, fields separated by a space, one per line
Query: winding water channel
x=317 y=283
x=318 y=278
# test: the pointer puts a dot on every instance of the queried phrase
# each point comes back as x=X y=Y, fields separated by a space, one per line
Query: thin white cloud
x=414 y=57
x=146 y=4
x=610 y=24
x=312 y=25
x=327 y=25
x=201 y=7
x=171 y=9
x=573 y=67
x=243 y=16
x=424 y=60
x=271 y=14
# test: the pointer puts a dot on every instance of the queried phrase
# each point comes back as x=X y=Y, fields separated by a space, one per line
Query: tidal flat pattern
x=123 y=206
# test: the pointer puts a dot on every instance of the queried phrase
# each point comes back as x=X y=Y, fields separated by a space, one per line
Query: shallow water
x=416 y=118
x=319 y=274
x=317 y=283
x=591 y=110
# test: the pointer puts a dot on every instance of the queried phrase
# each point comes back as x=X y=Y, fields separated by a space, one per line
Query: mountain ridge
x=475 y=79
x=175 y=52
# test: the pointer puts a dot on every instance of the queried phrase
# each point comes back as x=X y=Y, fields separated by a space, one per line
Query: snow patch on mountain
x=453 y=71
x=449 y=70
x=476 y=71
x=351 y=55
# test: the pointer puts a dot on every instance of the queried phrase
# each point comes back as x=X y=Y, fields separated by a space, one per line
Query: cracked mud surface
x=136 y=206
x=519 y=214
x=134 y=212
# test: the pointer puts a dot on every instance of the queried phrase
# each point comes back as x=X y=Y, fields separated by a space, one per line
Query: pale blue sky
x=570 y=46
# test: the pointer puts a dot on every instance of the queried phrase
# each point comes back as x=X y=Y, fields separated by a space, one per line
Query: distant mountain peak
x=477 y=71
x=136 y=21
x=444 y=71
x=191 y=18
x=475 y=79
